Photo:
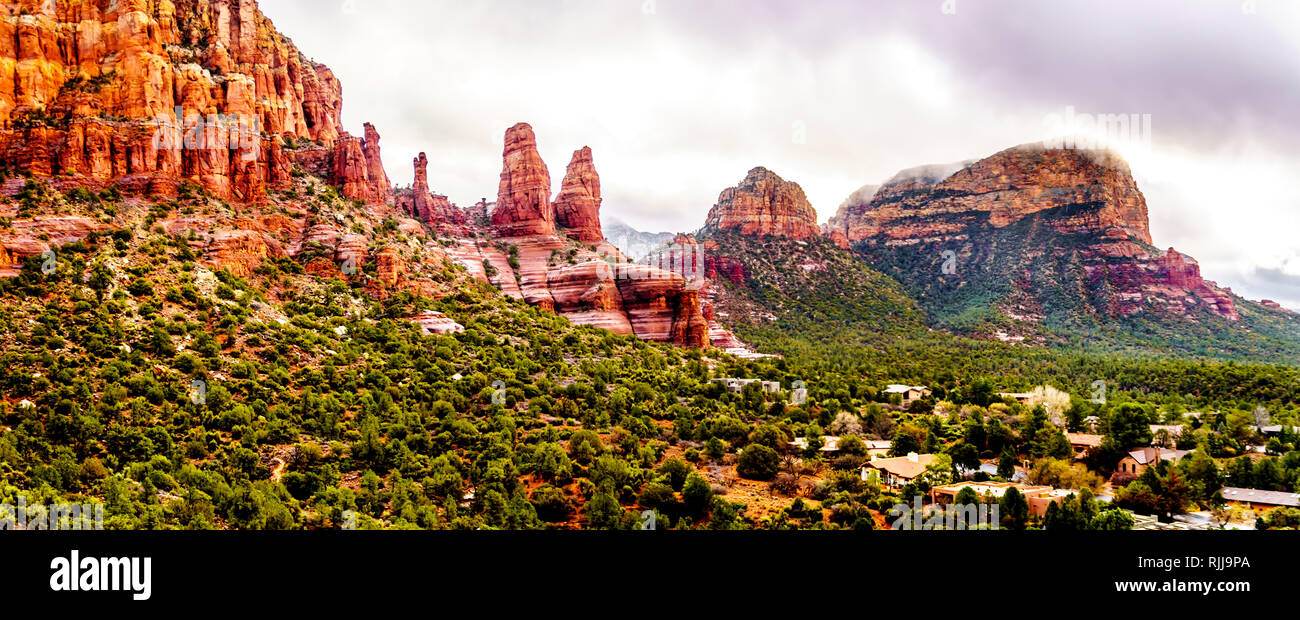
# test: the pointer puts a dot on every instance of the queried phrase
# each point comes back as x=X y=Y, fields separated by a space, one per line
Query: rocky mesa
x=1032 y=219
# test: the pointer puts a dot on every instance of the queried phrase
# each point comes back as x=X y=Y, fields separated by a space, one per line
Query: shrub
x=758 y=462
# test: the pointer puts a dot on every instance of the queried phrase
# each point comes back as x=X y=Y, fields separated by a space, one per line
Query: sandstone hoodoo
x=577 y=208
x=554 y=267
x=379 y=183
x=351 y=170
x=434 y=210
x=147 y=94
x=764 y=204
x=524 y=197
x=1045 y=231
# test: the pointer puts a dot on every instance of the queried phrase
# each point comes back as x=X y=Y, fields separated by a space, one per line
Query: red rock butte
x=932 y=201
x=1088 y=194
x=764 y=204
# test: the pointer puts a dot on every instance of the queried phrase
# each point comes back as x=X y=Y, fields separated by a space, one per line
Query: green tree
x=697 y=494
x=603 y=512
x=1007 y=463
x=1014 y=510
x=758 y=462
x=715 y=449
x=1130 y=426
x=551 y=503
x=677 y=472
x=1111 y=520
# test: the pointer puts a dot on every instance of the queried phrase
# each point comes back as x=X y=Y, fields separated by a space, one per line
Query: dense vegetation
x=181 y=397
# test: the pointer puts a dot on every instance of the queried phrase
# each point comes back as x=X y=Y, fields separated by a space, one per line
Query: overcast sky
x=680 y=98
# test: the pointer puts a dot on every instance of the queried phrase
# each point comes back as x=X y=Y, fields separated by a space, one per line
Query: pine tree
x=1014 y=510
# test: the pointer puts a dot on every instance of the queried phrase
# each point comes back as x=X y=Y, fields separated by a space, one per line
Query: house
x=736 y=386
x=1091 y=422
x=1137 y=461
x=1038 y=497
x=990 y=470
x=1251 y=498
x=829 y=444
x=878 y=448
x=875 y=448
x=1276 y=429
x=898 y=471
x=1165 y=435
x=1084 y=443
x=1020 y=397
x=909 y=393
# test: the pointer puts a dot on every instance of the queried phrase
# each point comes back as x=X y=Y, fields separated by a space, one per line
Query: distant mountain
x=1052 y=246
x=634 y=244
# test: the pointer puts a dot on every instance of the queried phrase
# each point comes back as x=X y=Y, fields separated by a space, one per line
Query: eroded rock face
x=1170 y=280
x=837 y=228
x=661 y=307
x=162 y=91
x=601 y=291
x=577 y=208
x=524 y=196
x=34 y=237
x=240 y=251
x=600 y=287
x=1077 y=190
x=380 y=186
x=764 y=204
x=358 y=169
x=1071 y=203
x=436 y=323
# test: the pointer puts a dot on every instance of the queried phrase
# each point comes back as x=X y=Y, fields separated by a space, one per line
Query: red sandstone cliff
x=146 y=93
x=149 y=95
